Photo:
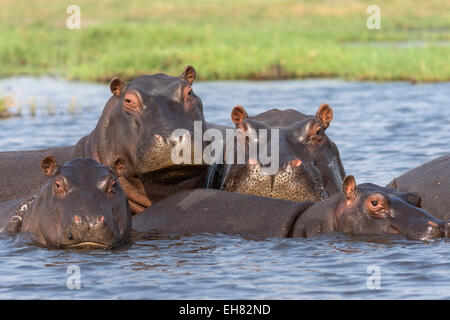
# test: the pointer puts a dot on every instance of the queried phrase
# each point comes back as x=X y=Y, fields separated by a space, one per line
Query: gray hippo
x=135 y=126
x=362 y=209
x=80 y=205
x=432 y=182
x=309 y=162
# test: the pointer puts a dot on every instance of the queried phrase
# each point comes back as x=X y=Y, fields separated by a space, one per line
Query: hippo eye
x=319 y=131
x=376 y=206
x=58 y=188
x=131 y=102
x=112 y=187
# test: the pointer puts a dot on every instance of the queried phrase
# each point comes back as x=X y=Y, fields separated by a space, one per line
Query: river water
x=381 y=129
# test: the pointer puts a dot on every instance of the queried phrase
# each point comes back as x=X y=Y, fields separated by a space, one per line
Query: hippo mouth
x=174 y=175
x=294 y=183
x=161 y=183
x=90 y=245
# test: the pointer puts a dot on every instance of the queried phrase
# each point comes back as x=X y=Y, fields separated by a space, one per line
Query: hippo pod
x=308 y=165
x=362 y=209
x=81 y=205
x=135 y=128
x=432 y=182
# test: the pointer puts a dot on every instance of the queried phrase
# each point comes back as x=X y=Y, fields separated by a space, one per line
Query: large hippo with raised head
x=363 y=209
x=134 y=128
x=80 y=205
x=432 y=182
x=310 y=168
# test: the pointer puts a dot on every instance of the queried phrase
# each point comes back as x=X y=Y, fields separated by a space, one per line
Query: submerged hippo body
x=20 y=174
x=366 y=209
x=134 y=129
x=309 y=163
x=432 y=182
x=80 y=205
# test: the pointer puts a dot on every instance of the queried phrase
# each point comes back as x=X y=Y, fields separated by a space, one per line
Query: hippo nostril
x=76 y=219
x=295 y=162
x=70 y=236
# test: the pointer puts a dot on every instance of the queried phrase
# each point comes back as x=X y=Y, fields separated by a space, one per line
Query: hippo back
x=216 y=211
x=432 y=181
x=21 y=173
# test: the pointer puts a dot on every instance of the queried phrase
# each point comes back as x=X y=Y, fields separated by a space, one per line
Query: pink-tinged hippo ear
x=49 y=166
x=325 y=115
x=238 y=114
x=349 y=187
x=189 y=74
x=116 y=85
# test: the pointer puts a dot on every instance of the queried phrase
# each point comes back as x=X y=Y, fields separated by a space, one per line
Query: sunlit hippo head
x=371 y=209
x=137 y=126
x=310 y=168
x=81 y=205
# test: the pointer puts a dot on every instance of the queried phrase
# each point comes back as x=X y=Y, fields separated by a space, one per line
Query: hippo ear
x=116 y=85
x=349 y=186
x=119 y=167
x=238 y=114
x=189 y=74
x=325 y=115
x=49 y=166
x=394 y=184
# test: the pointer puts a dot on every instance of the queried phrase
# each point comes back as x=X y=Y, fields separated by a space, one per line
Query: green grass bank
x=244 y=39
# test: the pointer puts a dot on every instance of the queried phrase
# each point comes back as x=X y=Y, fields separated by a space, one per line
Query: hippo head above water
x=371 y=209
x=81 y=205
x=310 y=168
x=136 y=127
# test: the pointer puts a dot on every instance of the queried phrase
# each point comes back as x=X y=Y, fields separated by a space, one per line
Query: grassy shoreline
x=228 y=40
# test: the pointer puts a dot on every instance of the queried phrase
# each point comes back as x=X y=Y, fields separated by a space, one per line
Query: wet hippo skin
x=134 y=129
x=309 y=165
x=432 y=182
x=80 y=205
x=215 y=211
x=363 y=209
x=21 y=174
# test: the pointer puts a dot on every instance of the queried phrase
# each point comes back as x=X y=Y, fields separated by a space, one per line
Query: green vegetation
x=6 y=103
x=242 y=39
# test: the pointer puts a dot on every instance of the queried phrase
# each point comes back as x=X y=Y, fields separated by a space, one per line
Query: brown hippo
x=135 y=126
x=362 y=209
x=80 y=205
x=309 y=162
x=432 y=182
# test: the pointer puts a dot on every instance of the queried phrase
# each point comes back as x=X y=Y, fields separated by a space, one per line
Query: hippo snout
x=157 y=151
x=91 y=231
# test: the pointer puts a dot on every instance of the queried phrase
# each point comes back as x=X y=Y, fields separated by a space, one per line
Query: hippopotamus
x=432 y=182
x=135 y=129
x=80 y=205
x=364 y=209
x=310 y=168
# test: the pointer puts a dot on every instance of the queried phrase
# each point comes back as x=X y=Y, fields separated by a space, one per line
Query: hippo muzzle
x=415 y=222
x=295 y=181
x=90 y=231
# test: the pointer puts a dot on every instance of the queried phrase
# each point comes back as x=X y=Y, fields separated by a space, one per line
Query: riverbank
x=227 y=39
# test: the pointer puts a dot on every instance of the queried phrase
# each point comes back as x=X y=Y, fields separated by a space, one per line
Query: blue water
x=381 y=129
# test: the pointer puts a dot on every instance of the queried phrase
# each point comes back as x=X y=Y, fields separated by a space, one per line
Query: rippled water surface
x=381 y=129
